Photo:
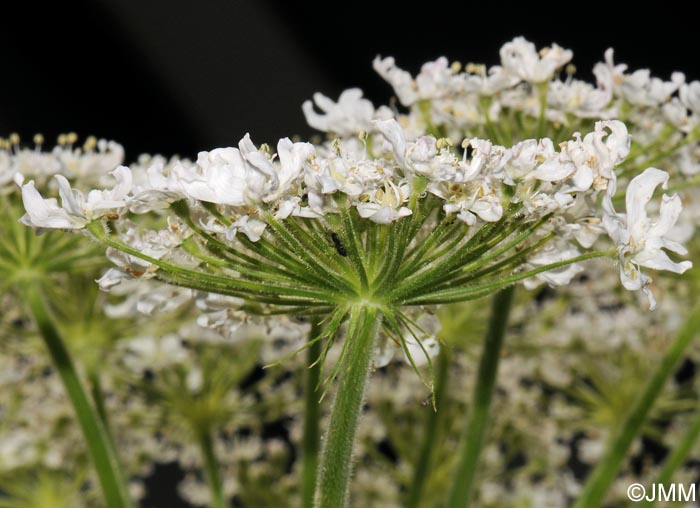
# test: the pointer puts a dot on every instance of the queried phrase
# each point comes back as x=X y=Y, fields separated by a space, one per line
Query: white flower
x=243 y=176
x=536 y=159
x=586 y=230
x=676 y=113
x=690 y=96
x=220 y=312
x=639 y=87
x=400 y=80
x=252 y=228
x=76 y=210
x=609 y=75
x=642 y=241
x=642 y=89
x=596 y=155
x=424 y=345
x=485 y=158
x=471 y=200
x=112 y=277
x=32 y=163
x=350 y=115
x=478 y=80
x=137 y=296
x=520 y=58
x=423 y=157
x=580 y=99
x=89 y=163
x=385 y=204
x=349 y=176
x=152 y=189
x=688 y=159
x=435 y=80
x=152 y=243
x=420 y=156
x=220 y=176
x=292 y=157
x=393 y=133
x=558 y=277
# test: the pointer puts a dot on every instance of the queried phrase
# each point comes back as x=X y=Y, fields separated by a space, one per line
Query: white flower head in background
x=436 y=80
x=352 y=113
x=520 y=58
x=690 y=96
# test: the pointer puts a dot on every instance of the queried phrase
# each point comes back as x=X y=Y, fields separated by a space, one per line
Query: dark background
x=177 y=77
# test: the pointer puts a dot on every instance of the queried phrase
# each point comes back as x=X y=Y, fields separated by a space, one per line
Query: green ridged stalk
x=311 y=442
x=212 y=469
x=99 y=444
x=473 y=435
x=336 y=465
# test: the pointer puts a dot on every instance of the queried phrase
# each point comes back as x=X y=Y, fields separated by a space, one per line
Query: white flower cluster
x=312 y=183
x=455 y=97
x=386 y=162
x=90 y=163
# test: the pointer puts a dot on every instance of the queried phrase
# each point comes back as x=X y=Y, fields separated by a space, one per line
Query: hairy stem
x=334 y=474
x=475 y=429
x=312 y=414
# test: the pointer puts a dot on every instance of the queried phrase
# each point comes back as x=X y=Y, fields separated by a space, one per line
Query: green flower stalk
x=99 y=443
x=312 y=414
x=27 y=263
x=476 y=424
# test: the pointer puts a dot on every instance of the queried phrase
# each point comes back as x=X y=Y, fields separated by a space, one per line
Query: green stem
x=334 y=474
x=679 y=454
x=432 y=423
x=312 y=414
x=98 y=400
x=99 y=445
x=211 y=469
x=485 y=104
x=543 y=88
x=475 y=429
x=605 y=472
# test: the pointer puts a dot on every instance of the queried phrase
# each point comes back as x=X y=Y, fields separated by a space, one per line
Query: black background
x=177 y=77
